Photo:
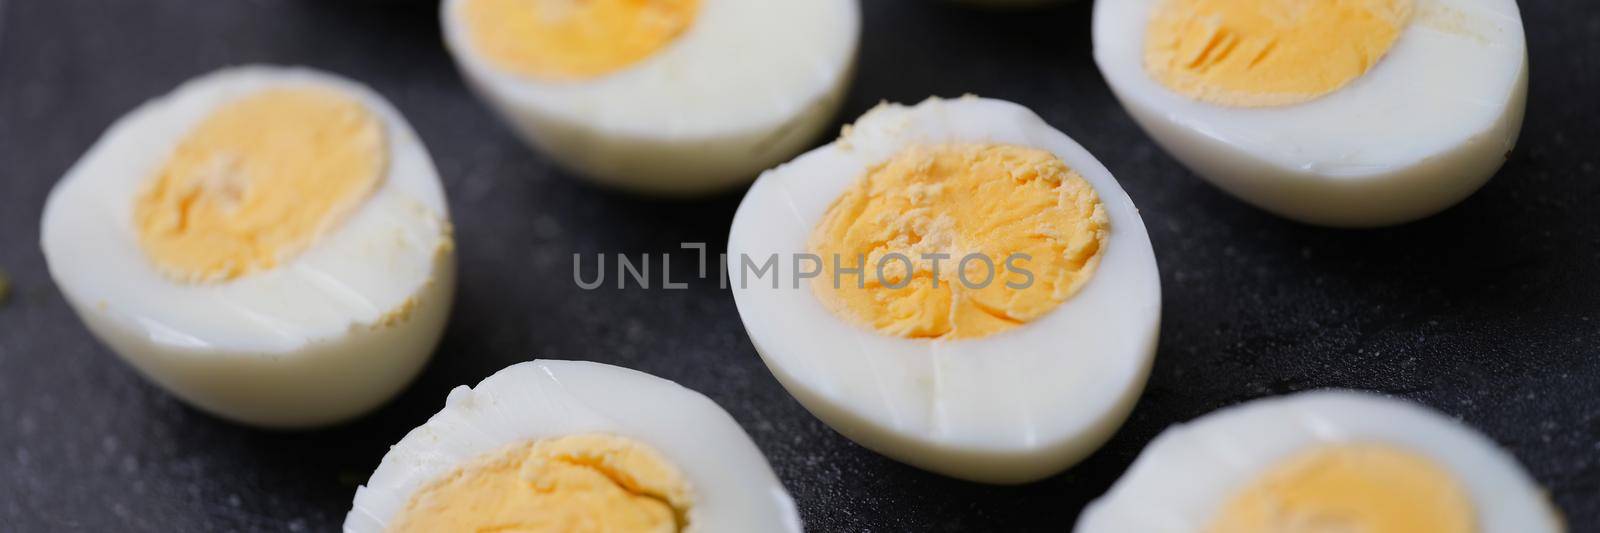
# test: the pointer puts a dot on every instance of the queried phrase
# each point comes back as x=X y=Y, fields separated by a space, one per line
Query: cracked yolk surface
x=580 y=483
x=1369 y=488
x=574 y=39
x=1255 y=53
x=989 y=201
x=258 y=181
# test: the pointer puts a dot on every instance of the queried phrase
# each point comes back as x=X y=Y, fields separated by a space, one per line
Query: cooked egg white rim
x=1190 y=470
x=342 y=282
x=933 y=404
x=675 y=93
x=1423 y=129
x=550 y=398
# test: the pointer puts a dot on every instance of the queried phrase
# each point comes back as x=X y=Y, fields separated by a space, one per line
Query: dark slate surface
x=1487 y=312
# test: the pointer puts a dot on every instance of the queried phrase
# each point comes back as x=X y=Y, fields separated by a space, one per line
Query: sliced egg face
x=1323 y=461
x=270 y=244
x=1031 y=347
x=673 y=97
x=1340 y=113
x=574 y=446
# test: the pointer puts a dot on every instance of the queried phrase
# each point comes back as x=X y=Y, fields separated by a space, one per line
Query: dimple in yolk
x=574 y=39
x=992 y=202
x=1256 y=53
x=579 y=483
x=258 y=181
x=1369 y=488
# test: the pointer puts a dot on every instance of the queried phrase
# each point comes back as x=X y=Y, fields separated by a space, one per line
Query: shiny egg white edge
x=633 y=130
x=298 y=346
x=734 y=488
x=1420 y=90
x=1190 y=470
x=969 y=409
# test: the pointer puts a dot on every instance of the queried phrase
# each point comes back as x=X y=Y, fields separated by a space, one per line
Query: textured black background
x=1489 y=311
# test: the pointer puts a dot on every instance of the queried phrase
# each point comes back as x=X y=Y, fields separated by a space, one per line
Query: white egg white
x=1009 y=408
x=748 y=85
x=1188 y=472
x=734 y=488
x=328 y=335
x=1422 y=130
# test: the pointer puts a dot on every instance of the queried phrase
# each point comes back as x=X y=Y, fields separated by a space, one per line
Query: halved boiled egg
x=1323 y=461
x=659 y=96
x=1333 y=112
x=568 y=446
x=955 y=285
x=269 y=244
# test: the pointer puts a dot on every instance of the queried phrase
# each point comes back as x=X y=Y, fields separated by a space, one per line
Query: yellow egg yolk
x=258 y=181
x=996 y=203
x=573 y=484
x=574 y=39
x=1255 y=53
x=1367 y=488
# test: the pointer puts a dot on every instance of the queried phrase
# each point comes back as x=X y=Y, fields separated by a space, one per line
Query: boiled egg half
x=674 y=97
x=955 y=285
x=1323 y=461
x=567 y=446
x=269 y=244
x=1332 y=112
